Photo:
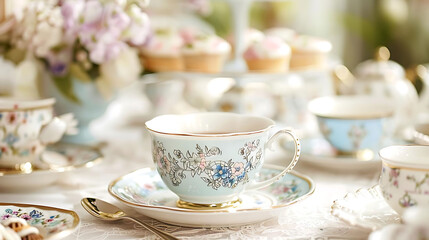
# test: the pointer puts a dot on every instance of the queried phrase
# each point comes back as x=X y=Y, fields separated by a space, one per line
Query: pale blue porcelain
x=145 y=192
x=92 y=105
x=143 y=188
x=210 y=158
x=349 y=135
x=353 y=123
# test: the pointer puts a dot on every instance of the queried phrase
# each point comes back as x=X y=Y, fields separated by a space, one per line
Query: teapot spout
x=343 y=80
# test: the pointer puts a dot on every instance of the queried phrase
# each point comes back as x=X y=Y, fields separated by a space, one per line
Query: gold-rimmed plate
x=144 y=191
x=53 y=223
x=57 y=159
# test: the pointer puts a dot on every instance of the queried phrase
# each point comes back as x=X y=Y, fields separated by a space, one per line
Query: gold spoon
x=107 y=211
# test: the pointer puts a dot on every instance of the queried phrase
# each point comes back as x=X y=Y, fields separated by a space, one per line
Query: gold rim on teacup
x=10 y=104
x=151 y=125
x=392 y=163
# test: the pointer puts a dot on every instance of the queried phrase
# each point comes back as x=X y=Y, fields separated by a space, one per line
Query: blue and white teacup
x=353 y=123
x=26 y=128
x=208 y=159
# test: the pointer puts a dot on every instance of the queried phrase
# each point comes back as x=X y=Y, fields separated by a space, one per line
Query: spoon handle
x=155 y=231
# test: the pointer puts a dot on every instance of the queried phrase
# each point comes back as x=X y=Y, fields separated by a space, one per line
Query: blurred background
x=356 y=28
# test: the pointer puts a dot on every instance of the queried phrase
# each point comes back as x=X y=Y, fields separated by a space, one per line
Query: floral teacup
x=353 y=123
x=26 y=127
x=208 y=159
x=404 y=179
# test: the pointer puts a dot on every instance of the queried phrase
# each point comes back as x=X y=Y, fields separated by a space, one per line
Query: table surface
x=308 y=219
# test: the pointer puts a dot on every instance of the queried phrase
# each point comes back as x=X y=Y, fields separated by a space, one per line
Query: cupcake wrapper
x=203 y=63
x=268 y=65
x=304 y=60
x=162 y=64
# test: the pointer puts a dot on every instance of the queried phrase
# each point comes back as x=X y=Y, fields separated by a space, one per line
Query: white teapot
x=382 y=77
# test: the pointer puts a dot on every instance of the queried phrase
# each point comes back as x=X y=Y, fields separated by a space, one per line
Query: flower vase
x=82 y=98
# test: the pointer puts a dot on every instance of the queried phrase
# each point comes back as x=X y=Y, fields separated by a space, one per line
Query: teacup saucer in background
x=319 y=152
x=53 y=223
x=144 y=191
x=365 y=208
x=57 y=159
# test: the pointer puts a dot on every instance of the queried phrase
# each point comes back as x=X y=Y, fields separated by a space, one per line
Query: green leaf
x=77 y=72
x=65 y=85
x=15 y=55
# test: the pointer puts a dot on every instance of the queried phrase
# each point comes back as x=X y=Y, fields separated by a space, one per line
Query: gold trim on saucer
x=212 y=206
x=28 y=168
x=58 y=235
x=310 y=183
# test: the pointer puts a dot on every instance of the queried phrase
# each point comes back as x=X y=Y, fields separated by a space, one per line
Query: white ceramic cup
x=208 y=159
x=404 y=179
x=26 y=128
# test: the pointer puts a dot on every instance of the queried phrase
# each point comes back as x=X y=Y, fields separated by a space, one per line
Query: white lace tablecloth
x=308 y=219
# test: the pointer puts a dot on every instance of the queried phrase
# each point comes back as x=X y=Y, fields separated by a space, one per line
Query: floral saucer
x=365 y=208
x=53 y=223
x=144 y=191
x=318 y=152
x=57 y=159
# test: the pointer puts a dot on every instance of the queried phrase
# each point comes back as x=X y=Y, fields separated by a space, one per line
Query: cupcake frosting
x=269 y=47
x=286 y=34
x=204 y=44
x=164 y=42
x=310 y=44
x=251 y=35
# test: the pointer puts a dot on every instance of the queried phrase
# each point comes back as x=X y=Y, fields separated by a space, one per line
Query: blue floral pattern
x=216 y=174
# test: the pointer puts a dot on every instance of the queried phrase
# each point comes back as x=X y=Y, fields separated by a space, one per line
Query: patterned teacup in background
x=208 y=159
x=404 y=179
x=26 y=127
x=353 y=123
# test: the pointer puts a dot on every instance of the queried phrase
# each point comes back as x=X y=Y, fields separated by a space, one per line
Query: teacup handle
x=257 y=185
x=53 y=131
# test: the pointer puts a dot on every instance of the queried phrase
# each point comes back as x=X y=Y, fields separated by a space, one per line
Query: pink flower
x=26 y=217
x=203 y=164
x=237 y=169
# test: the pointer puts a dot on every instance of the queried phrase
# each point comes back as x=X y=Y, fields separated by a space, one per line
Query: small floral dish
x=317 y=151
x=53 y=162
x=144 y=191
x=365 y=208
x=53 y=223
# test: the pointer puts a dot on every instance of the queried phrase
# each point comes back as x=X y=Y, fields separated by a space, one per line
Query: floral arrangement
x=88 y=40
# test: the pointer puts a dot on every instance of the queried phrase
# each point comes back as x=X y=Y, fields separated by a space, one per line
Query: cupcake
x=251 y=35
x=18 y=229
x=286 y=34
x=162 y=52
x=309 y=52
x=15 y=223
x=29 y=233
x=204 y=52
x=268 y=55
